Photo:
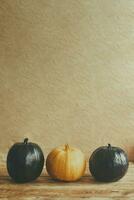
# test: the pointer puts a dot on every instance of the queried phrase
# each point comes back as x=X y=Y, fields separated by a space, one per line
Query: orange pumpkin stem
x=66 y=147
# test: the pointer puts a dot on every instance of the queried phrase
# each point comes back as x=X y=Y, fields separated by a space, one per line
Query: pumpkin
x=66 y=163
x=25 y=161
x=108 y=163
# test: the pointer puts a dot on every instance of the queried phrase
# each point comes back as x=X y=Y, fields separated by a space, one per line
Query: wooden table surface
x=86 y=188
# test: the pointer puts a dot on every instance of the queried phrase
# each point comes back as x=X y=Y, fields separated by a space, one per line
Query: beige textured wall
x=67 y=73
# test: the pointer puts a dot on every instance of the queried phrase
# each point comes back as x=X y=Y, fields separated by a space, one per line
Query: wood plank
x=86 y=188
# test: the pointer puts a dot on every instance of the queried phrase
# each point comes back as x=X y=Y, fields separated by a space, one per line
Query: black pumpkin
x=108 y=163
x=25 y=161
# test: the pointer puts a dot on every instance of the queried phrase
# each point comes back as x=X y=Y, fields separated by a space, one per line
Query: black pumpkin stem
x=25 y=140
x=109 y=146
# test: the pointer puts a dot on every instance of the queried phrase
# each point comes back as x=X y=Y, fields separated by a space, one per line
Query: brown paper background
x=67 y=73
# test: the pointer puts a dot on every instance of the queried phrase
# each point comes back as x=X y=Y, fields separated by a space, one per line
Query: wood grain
x=86 y=188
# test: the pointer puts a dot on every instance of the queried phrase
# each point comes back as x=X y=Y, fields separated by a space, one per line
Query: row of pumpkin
x=25 y=162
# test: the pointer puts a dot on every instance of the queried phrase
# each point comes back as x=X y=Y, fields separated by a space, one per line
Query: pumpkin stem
x=25 y=140
x=109 y=145
x=66 y=147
